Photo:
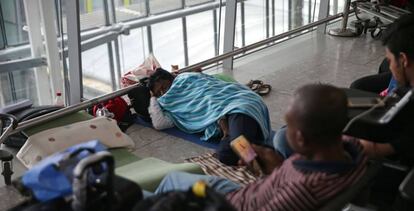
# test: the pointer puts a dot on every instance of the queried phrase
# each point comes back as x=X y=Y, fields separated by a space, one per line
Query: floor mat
x=194 y=138
x=212 y=166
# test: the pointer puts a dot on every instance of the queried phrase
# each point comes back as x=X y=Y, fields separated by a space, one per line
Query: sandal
x=254 y=84
x=263 y=89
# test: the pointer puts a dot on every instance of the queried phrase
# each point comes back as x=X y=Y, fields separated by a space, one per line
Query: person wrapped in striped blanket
x=200 y=103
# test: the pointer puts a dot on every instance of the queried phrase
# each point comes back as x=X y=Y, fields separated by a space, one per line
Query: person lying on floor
x=199 y=103
x=323 y=165
x=399 y=52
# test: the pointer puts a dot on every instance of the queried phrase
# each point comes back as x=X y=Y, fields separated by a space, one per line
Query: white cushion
x=45 y=143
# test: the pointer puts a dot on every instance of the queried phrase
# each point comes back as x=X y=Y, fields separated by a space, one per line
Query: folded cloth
x=196 y=101
x=47 y=142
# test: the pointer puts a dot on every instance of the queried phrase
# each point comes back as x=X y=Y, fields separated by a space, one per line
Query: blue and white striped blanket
x=196 y=101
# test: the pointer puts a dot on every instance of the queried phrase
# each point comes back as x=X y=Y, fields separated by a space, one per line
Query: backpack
x=198 y=198
x=119 y=107
x=79 y=178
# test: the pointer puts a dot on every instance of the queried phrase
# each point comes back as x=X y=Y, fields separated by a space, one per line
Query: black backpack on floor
x=185 y=201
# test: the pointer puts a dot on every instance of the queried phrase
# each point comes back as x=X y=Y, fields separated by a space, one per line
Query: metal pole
x=323 y=13
x=344 y=31
x=116 y=46
x=267 y=19
x=229 y=31
x=216 y=47
x=74 y=52
x=243 y=23
x=185 y=44
x=32 y=10
x=186 y=60
x=149 y=31
x=273 y=18
x=51 y=45
x=109 y=48
x=19 y=25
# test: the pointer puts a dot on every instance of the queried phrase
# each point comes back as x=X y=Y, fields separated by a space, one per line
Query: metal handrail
x=71 y=109
x=75 y=108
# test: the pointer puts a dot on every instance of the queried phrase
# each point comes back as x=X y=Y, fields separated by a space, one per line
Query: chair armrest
x=407 y=186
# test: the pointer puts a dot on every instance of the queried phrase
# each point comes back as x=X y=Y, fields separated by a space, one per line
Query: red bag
x=117 y=106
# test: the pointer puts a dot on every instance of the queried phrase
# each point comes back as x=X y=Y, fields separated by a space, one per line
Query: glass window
x=195 y=2
x=96 y=72
x=159 y=6
x=167 y=39
x=91 y=14
x=336 y=6
x=133 y=48
x=255 y=21
x=18 y=85
x=200 y=45
x=14 y=20
x=129 y=9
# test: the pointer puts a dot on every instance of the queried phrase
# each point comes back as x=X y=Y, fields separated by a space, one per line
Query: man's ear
x=404 y=61
x=301 y=142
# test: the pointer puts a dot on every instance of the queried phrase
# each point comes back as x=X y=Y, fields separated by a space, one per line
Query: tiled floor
x=306 y=59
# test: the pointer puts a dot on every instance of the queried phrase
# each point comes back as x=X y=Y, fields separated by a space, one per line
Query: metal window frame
x=22 y=64
x=75 y=90
x=229 y=32
x=2 y=30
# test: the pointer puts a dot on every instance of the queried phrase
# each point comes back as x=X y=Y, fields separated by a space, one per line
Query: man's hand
x=267 y=158
x=377 y=150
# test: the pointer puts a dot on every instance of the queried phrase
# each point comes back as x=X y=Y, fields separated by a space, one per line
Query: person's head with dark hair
x=316 y=118
x=160 y=82
x=399 y=42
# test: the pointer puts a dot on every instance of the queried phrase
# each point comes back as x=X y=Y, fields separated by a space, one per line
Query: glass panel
x=14 y=20
x=336 y=6
x=96 y=72
x=195 y=2
x=18 y=85
x=167 y=39
x=159 y=6
x=91 y=14
x=200 y=45
x=129 y=9
x=266 y=18
x=255 y=21
x=134 y=49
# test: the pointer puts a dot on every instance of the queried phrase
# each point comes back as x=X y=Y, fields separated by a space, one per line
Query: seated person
x=323 y=165
x=199 y=103
x=399 y=53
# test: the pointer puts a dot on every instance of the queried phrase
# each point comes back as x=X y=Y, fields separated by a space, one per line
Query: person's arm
x=377 y=150
x=159 y=120
x=268 y=158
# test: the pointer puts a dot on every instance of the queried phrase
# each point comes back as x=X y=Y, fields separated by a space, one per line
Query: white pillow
x=45 y=143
